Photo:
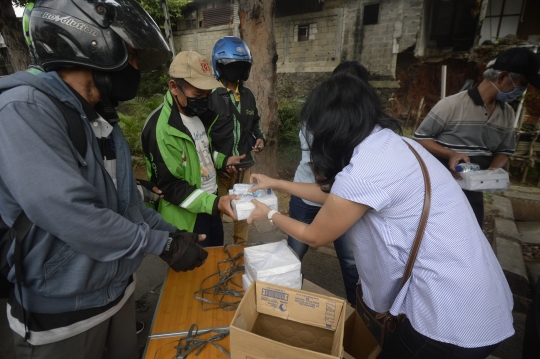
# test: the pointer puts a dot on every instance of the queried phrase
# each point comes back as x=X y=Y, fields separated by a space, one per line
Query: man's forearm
x=435 y=149
x=499 y=161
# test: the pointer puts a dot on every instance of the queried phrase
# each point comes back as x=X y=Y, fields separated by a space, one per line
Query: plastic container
x=496 y=180
x=243 y=207
x=467 y=167
x=242 y=189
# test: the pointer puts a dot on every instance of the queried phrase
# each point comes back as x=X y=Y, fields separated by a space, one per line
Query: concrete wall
x=321 y=53
x=336 y=34
x=376 y=46
x=201 y=40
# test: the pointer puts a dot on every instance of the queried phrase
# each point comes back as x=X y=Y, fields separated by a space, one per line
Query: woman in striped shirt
x=457 y=300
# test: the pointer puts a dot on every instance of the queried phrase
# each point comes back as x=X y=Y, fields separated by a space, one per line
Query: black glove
x=182 y=252
x=148 y=195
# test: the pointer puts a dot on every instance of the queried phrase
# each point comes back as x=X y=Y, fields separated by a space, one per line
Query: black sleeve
x=221 y=130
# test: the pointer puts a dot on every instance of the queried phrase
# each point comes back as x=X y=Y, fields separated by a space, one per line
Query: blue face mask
x=512 y=95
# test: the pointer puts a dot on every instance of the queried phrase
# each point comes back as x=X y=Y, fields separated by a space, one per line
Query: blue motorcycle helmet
x=231 y=59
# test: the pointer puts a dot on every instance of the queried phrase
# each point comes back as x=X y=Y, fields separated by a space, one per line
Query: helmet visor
x=230 y=61
x=133 y=24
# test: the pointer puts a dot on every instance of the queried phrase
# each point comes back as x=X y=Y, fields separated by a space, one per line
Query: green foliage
x=132 y=116
x=533 y=173
x=289 y=118
x=154 y=82
x=156 y=11
x=289 y=105
x=289 y=151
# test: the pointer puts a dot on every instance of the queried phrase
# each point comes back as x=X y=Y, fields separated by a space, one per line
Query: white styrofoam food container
x=243 y=207
x=274 y=263
x=496 y=180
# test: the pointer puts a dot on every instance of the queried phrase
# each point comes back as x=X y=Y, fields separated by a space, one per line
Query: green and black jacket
x=229 y=130
x=173 y=164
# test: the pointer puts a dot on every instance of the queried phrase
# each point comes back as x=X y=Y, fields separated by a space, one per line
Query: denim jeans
x=408 y=344
x=304 y=212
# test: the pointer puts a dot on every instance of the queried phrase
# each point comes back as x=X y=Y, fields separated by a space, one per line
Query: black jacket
x=232 y=128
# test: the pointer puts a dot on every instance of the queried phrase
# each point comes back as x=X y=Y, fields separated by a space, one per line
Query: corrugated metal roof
x=217 y=16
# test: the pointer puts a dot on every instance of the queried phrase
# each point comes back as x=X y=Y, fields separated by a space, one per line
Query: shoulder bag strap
x=423 y=219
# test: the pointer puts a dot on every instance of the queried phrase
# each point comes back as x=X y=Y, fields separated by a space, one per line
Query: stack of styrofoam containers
x=274 y=263
x=243 y=207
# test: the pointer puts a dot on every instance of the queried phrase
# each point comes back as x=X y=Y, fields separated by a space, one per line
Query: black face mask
x=236 y=71
x=124 y=83
x=195 y=106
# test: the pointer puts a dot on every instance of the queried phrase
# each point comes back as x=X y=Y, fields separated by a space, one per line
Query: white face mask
x=512 y=95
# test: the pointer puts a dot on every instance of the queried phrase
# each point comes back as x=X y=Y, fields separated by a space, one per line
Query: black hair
x=353 y=68
x=339 y=114
x=181 y=83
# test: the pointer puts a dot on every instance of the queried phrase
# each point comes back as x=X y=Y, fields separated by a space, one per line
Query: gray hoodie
x=88 y=238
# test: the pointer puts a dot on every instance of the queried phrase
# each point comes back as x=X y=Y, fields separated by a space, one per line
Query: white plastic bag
x=274 y=263
x=246 y=281
x=496 y=180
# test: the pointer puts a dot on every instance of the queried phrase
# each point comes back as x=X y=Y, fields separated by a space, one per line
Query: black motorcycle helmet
x=94 y=34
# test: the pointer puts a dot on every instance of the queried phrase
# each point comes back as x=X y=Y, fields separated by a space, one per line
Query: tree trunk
x=11 y=30
x=257 y=30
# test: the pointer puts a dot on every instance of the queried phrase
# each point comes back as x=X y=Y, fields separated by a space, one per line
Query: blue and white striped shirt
x=457 y=292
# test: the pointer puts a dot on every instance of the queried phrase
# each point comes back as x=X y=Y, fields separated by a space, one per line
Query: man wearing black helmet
x=236 y=129
x=71 y=180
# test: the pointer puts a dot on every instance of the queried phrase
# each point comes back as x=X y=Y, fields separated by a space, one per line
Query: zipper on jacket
x=82 y=161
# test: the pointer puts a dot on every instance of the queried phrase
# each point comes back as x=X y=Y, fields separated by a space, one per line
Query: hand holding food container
x=474 y=179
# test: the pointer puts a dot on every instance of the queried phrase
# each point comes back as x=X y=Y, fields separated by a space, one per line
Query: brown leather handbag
x=384 y=325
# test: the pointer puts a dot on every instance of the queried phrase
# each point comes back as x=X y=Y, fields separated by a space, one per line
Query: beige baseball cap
x=195 y=69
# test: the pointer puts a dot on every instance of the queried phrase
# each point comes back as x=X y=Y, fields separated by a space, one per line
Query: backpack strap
x=75 y=125
x=21 y=226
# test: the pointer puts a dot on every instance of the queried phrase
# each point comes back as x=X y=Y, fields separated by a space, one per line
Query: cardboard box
x=358 y=341
x=273 y=321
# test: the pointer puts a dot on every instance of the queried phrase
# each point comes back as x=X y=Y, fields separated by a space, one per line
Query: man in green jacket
x=178 y=157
